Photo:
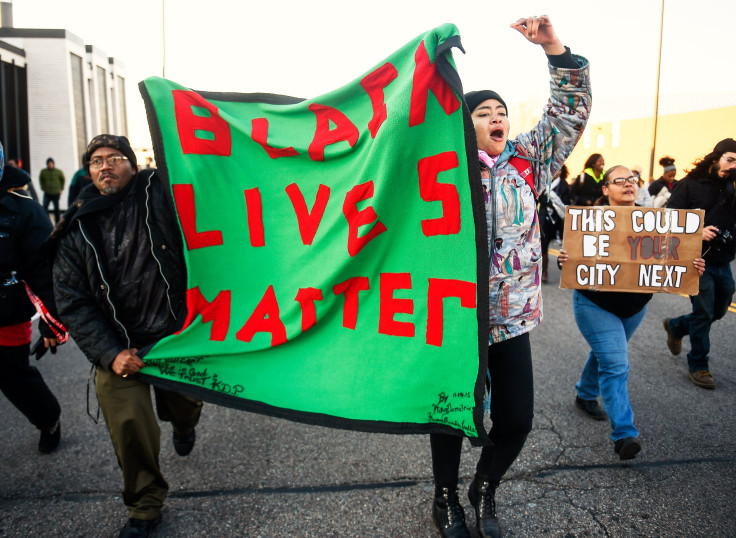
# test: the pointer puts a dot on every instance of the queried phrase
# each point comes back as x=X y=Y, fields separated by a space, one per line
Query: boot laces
x=454 y=509
x=487 y=501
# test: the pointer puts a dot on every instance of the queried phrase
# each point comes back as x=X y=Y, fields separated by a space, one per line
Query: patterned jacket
x=514 y=245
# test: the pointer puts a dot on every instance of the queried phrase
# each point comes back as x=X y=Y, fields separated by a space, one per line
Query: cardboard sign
x=633 y=249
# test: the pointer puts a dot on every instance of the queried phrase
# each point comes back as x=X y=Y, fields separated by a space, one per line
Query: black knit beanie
x=475 y=98
x=13 y=178
x=119 y=143
x=727 y=145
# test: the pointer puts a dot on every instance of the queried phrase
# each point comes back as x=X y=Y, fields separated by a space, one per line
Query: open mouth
x=497 y=134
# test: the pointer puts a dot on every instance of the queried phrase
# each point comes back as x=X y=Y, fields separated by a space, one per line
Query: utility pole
x=656 y=95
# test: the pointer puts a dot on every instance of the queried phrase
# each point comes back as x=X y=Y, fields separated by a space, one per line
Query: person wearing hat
x=120 y=280
x=709 y=186
x=52 y=183
x=24 y=226
x=513 y=173
x=661 y=189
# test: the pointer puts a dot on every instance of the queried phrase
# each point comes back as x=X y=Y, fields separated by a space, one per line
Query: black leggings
x=23 y=385
x=512 y=410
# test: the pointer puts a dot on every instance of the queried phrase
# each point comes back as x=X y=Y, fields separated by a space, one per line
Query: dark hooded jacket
x=24 y=226
x=716 y=196
x=585 y=190
x=119 y=273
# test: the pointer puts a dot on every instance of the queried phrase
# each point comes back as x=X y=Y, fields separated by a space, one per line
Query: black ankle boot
x=448 y=515
x=482 y=495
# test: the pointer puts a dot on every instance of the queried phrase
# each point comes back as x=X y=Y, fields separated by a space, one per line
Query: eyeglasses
x=633 y=180
x=112 y=160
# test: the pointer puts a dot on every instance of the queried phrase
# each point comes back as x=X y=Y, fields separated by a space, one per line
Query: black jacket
x=585 y=190
x=716 y=196
x=24 y=226
x=81 y=284
x=658 y=184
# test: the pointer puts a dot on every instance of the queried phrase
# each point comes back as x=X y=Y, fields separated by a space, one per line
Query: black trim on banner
x=450 y=74
x=303 y=417
x=158 y=141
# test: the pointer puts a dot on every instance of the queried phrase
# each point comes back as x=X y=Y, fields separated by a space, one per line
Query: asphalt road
x=251 y=475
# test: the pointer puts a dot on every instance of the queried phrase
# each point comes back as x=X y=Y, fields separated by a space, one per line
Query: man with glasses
x=120 y=280
x=709 y=186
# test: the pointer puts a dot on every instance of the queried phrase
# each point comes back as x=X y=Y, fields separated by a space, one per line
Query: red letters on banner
x=265 y=319
x=202 y=131
x=439 y=289
x=431 y=191
x=306 y=297
x=192 y=126
x=351 y=288
x=390 y=305
x=426 y=79
x=373 y=84
x=209 y=134
x=184 y=201
x=255 y=217
x=360 y=218
x=324 y=136
x=217 y=311
x=308 y=221
x=259 y=133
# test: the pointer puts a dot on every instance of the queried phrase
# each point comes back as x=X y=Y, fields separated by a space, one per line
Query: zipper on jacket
x=107 y=285
x=153 y=248
x=492 y=250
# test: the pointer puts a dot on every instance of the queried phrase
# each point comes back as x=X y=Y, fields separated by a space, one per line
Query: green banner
x=335 y=248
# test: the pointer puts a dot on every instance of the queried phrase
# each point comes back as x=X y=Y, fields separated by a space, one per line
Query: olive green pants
x=128 y=410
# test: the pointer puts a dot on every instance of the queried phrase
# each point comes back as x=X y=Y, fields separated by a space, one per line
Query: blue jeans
x=710 y=304
x=607 y=369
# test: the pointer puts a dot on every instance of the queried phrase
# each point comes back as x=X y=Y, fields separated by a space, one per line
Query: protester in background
x=52 y=183
x=80 y=180
x=643 y=198
x=552 y=214
x=586 y=188
x=12 y=163
x=513 y=234
x=24 y=226
x=120 y=279
x=709 y=186
x=607 y=320
x=661 y=189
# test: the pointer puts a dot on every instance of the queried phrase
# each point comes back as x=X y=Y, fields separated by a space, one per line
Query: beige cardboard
x=633 y=249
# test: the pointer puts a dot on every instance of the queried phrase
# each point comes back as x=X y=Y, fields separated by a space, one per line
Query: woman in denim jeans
x=607 y=321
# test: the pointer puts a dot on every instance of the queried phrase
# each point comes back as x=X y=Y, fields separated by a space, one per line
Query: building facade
x=57 y=94
x=688 y=126
x=14 y=103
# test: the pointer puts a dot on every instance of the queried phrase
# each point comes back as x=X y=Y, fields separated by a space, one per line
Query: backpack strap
x=524 y=167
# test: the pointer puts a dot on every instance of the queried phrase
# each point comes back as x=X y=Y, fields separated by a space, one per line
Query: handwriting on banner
x=449 y=406
x=187 y=369
x=634 y=249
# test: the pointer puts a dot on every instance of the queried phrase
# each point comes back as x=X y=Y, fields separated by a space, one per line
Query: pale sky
x=306 y=49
